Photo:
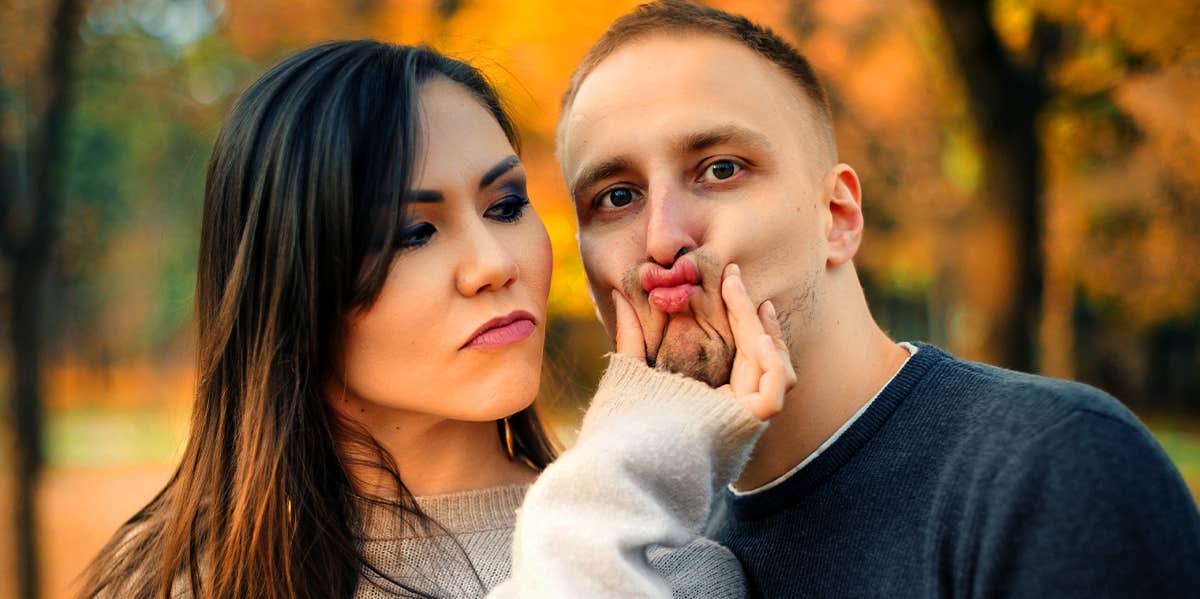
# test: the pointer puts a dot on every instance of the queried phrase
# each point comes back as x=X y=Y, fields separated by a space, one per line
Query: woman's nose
x=486 y=266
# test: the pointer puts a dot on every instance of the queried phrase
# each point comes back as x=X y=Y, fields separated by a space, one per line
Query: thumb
x=630 y=340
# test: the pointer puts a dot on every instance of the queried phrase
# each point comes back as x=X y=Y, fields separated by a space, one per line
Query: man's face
x=685 y=153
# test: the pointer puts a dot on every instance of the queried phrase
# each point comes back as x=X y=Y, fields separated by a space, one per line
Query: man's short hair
x=678 y=16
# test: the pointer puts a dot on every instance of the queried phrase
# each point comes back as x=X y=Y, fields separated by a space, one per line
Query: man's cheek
x=600 y=291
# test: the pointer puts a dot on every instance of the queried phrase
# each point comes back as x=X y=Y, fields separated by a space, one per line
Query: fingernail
x=771 y=311
x=734 y=270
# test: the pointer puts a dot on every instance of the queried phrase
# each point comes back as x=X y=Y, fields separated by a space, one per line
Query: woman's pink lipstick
x=671 y=290
x=503 y=330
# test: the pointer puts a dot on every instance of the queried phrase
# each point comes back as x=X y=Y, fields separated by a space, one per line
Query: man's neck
x=837 y=373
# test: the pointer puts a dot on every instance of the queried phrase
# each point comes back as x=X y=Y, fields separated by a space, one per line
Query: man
x=691 y=139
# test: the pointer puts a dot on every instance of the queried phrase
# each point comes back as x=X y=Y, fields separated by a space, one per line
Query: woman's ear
x=843 y=199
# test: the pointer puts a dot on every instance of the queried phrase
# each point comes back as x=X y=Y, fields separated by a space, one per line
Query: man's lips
x=671 y=289
x=503 y=330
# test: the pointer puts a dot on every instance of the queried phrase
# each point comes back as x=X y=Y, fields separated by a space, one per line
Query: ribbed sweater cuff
x=631 y=390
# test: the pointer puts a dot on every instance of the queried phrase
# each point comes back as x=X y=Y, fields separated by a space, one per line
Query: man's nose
x=670 y=230
x=486 y=264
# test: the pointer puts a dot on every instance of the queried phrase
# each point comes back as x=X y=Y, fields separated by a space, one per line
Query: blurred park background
x=1031 y=199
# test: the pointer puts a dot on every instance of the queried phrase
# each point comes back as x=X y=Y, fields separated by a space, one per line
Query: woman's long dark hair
x=304 y=197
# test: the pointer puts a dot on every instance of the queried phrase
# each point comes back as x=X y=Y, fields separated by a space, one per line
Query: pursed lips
x=671 y=289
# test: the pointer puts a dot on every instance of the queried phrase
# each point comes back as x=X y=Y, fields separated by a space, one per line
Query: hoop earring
x=507 y=437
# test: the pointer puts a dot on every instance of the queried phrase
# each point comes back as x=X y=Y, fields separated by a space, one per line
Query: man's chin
x=688 y=350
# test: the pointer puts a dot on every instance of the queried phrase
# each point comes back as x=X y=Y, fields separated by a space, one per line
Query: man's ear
x=843 y=198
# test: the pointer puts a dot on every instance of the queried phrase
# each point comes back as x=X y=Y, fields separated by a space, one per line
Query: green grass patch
x=90 y=438
x=1181 y=440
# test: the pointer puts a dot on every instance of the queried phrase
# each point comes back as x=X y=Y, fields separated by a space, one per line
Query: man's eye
x=721 y=170
x=416 y=235
x=617 y=198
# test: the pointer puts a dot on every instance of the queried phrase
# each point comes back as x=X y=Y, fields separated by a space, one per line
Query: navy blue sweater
x=966 y=480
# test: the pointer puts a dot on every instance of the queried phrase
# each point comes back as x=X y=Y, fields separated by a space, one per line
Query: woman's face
x=458 y=328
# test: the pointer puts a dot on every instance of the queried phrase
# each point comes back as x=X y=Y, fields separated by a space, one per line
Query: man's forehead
x=661 y=64
x=659 y=79
x=669 y=94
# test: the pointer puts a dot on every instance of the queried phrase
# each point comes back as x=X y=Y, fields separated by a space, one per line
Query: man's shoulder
x=1002 y=401
x=980 y=420
x=1042 y=486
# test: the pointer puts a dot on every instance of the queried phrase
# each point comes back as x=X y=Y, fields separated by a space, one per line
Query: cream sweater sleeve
x=653 y=450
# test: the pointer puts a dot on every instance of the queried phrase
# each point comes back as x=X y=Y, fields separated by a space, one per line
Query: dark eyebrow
x=429 y=196
x=598 y=172
x=425 y=196
x=702 y=140
x=688 y=144
x=495 y=172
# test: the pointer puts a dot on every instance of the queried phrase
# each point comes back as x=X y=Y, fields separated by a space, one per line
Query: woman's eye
x=721 y=170
x=508 y=210
x=416 y=235
x=617 y=198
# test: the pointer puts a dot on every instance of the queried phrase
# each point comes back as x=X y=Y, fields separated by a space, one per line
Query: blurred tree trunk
x=29 y=220
x=1005 y=99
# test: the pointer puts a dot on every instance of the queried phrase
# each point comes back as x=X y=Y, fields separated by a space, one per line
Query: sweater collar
x=801 y=483
x=464 y=512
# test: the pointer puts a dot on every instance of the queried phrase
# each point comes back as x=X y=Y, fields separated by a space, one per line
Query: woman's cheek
x=543 y=253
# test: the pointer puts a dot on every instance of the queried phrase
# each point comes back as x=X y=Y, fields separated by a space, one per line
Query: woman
x=371 y=304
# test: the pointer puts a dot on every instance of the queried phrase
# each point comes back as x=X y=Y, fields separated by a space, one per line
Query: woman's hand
x=762 y=367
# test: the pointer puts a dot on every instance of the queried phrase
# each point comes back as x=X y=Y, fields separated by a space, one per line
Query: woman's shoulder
x=702 y=568
x=128 y=555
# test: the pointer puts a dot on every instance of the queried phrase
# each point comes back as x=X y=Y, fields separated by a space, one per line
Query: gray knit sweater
x=470 y=554
x=615 y=516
